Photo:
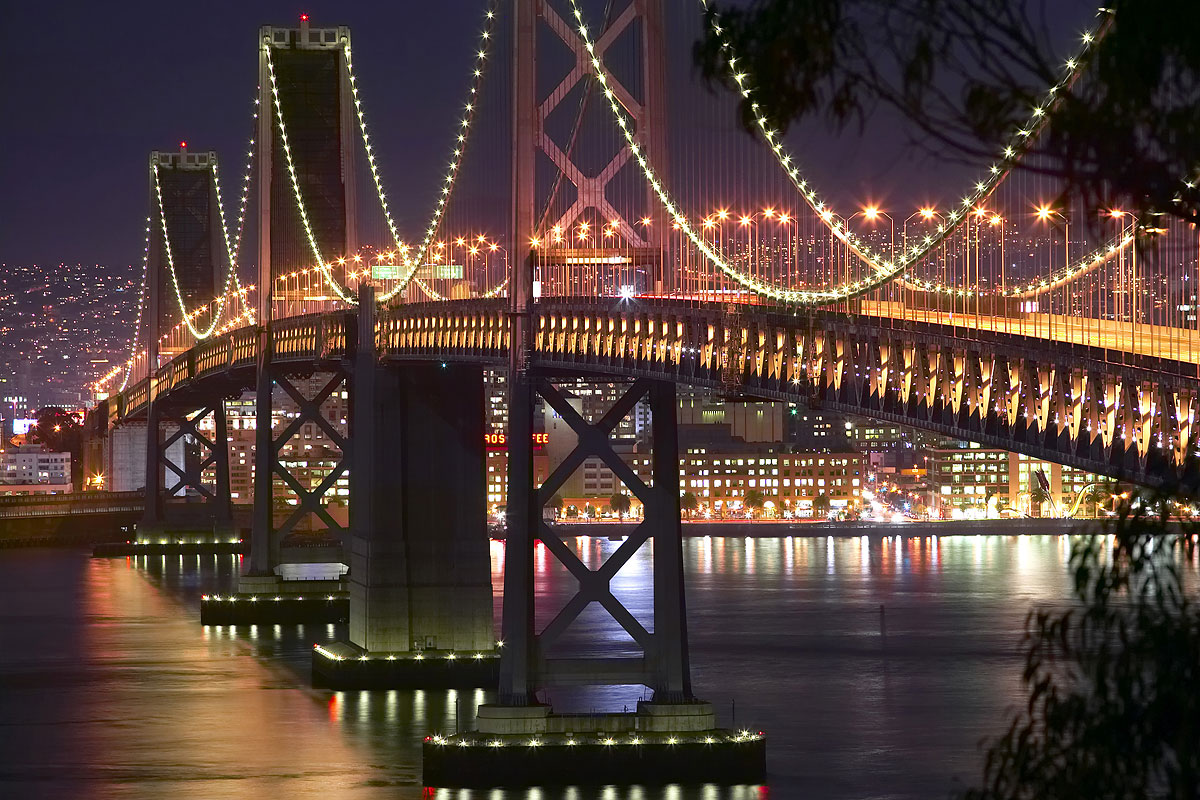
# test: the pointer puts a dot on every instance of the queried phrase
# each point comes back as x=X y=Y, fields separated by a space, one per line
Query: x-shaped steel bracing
x=189 y=426
x=590 y=190
x=310 y=411
x=594 y=585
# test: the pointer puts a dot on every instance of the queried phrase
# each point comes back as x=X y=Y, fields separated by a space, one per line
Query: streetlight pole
x=871 y=214
x=927 y=214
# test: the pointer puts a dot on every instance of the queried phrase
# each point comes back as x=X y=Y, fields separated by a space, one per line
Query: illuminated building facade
x=789 y=484
x=976 y=481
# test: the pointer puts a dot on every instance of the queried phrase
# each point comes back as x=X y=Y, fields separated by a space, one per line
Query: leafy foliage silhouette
x=1112 y=705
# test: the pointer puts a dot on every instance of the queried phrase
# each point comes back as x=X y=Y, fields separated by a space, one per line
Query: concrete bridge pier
x=151 y=524
x=420 y=572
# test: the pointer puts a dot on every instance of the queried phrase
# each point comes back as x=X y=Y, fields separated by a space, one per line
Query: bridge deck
x=1156 y=341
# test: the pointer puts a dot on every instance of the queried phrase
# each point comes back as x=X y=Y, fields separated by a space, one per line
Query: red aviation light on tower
x=304 y=17
x=183 y=145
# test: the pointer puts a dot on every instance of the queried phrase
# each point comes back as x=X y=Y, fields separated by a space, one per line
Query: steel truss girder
x=1133 y=418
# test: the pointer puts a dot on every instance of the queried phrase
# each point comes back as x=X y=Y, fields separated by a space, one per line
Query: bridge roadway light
x=872 y=214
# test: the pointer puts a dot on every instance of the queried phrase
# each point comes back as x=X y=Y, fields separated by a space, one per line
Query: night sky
x=92 y=88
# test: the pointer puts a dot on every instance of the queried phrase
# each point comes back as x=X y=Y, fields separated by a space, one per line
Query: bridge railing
x=708 y=342
x=478 y=328
x=319 y=336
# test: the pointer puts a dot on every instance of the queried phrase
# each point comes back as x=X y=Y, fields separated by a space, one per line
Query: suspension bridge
x=634 y=235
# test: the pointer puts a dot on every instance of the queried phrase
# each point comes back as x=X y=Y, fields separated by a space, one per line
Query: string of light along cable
x=221 y=299
x=135 y=354
x=1019 y=143
x=321 y=266
x=233 y=247
x=411 y=265
x=137 y=325
x=401 y=247
x=370 y=152
x=782 y=295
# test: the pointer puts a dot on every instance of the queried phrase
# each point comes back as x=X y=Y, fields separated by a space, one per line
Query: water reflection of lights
x=391 y=706
x=418 y=704
x=496 y=553
x=335 y=706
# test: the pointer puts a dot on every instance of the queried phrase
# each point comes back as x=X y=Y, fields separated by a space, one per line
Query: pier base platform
x=346 y=666
x=242 y=608
x=592 y=749
x=181 y=548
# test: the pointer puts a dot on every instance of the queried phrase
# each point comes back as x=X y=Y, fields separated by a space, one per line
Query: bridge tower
x=182 y=187
x=535 y=143
x=306 y=124
x=305 y=161
x=187 y=263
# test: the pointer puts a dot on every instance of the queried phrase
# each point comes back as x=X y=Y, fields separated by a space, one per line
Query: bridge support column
x=420 y=570
x=420 y=567
x=223 y=502
x=673 y=678
x=531 y=660
x=178 y=456
x=152 y=520
x=262 y=559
